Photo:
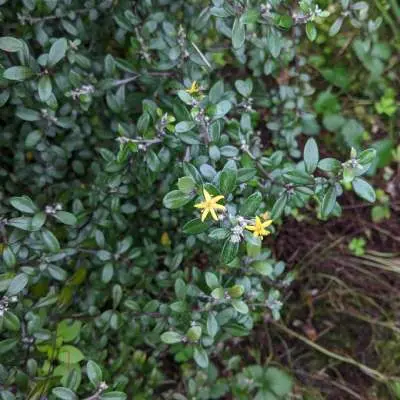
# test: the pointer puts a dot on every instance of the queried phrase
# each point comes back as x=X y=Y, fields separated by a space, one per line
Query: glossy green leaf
x=171 y=337
x=45 y=88
x=229 y=251
x=311 y=155
x=328 y=202
x=238 y=33
x=57 y=51
x=201 y=357
x=23 y=204
x=94 y=373
x=63 y=393
x=176 y=199
x=10 y=44
x=18 y=73
x=364 y=190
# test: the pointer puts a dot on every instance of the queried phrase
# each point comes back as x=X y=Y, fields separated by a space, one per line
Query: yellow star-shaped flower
x=209 y=205
x=195 y=88
x=258 y=228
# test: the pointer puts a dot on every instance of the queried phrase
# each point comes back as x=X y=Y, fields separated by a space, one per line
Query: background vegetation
x=199 y=199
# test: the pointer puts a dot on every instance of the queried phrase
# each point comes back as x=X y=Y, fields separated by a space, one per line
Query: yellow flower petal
x=219 y=207
x=200 y=205
x=250 y=227
x=266 y=223
x=204 y=214
x=206 y=195
x=213 y=214
x=218 y=198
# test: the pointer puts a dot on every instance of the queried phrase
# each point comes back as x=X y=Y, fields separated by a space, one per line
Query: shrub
x=147 y=149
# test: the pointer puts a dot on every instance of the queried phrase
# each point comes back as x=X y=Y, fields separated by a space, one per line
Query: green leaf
x=94 y=373
x=180 y=288
x=364 y=190
x=201 y=357
x=24 y=223
x=244 y=87
x=222 y=108
x=238 y=33
x=212 y=280
x=212 y=324
x=195 y=226
x=227 y=181
x=250 y=205
x=66 y=218
x=328 y=202
x=18 y=73
x=216 y=92
x=9 y=257
x=184 y=126
x=171 y=337
x=68 y=330
x=7 y=345
x=349 y=174
x=38 y=221
x=236 y=291
x=327 y=103
x=335 y=27
x=250 y=16
x=333 y=122
x=186 y=184
x=113 y=396
x=45 y=88
x=4 y=96
x=50 y=241
x=229 y=151
x=27 y=114
x=311 y=155
x=229 y=251
x=57 y=272
x=263 y=267
x=240 y=306
x=245 y=174
x=329 y=164
x=274 y=44
x=176 y=199
x=194 y=333
x=23 y=204
x=64 y=393
x=311 y=31
x=57 y=51
x=70 y=354
x=17 y=284
x=367 y=156
x=11 y=321
x=284 y=21
x=278 y=382
x=32 y=139
x=10 y=44
x=299 y=177
x=219 y=233
x=279 y=206
x=218 y=293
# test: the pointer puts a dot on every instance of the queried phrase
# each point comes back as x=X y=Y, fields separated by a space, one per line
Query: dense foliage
x=147 y=148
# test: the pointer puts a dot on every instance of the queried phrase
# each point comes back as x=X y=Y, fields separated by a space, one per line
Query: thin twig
x=348 y=360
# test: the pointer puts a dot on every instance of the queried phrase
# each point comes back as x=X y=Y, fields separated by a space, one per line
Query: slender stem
x=35 y=20
x=396 y=9
x=124 y=139
x=348 y=360
x=388 y=19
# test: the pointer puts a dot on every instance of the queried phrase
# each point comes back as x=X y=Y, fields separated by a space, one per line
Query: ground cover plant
x=159 y=159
